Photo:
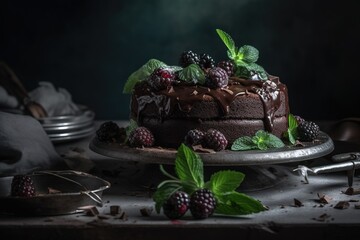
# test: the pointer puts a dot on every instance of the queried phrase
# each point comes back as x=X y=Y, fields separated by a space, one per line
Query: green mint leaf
x=248 y=54
x=291 y=134
x=274 y=142
x=132 y=125
x=163 y=193
x=250 y=71
x=229 y=43
x=141 y=74
x=243 y=143
x=236 y=203
x=192 y=74
x=189 y=166
x=225 y=181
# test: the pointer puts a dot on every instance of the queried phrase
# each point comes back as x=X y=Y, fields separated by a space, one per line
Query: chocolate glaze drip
x=185 y=96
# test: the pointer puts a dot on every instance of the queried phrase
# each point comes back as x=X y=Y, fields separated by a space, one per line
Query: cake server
x=343 y=162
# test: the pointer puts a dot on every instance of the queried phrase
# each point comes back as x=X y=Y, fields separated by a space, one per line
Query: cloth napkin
x=25 y=146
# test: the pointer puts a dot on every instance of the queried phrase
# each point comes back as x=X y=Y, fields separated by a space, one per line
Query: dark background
x=91 y=47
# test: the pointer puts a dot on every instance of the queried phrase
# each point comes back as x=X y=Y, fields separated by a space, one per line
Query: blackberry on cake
x=308 y=131
x=22 y=186
x=215 y=140
x=194 y=137
x=110 y=132
x=177 y=205
x=206 y=61
x=141 y=137
x=161 y=78
x=189 y=57
x=228 y=66
x=217 y=78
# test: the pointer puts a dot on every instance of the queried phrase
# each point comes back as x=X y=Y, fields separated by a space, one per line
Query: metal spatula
x=12 y=84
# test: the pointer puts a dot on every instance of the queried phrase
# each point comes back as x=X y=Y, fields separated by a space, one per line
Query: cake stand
x=260 y=166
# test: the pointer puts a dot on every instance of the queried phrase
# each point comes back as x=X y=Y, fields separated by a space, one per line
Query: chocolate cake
x=240 y=109
x=235 y=97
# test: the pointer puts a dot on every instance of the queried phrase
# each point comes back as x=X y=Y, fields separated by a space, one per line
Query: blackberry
x=22 y=186
x=141 y=137
x=228 y=66
x=308 y=131
x=206 y=61
x=177 y=205
x=202 y=204
x=217 y=78
x=214 y=139
x=194 y=137
x=110 y=132
x=189 y=57
x=161 y=78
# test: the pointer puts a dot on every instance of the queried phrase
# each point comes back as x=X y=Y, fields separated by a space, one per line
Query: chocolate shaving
x=322 y=217
x=298 y=203
x=194 y=93
x=199 y=148
x=90 y=210
x=171 y=89
x=324 y=198
x=228 y=91
x=114 y=210
x=53 y=190
x=342 y=205
x=146 y=212
x=351 y=191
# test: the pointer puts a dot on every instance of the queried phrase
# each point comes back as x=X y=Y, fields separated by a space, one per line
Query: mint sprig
x=190 y=177
x=192 y=74
x=292 y=133
x=243 y=57
x=141 y=74
x=262 y=140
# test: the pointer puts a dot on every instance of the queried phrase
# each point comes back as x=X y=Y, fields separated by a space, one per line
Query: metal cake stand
x=311 y=150
x=259 y=166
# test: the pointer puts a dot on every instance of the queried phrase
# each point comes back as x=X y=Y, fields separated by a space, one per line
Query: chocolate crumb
x=357 y=206
x=146 y=211
x=298 y=203
x=322 y=217
x=324 y=198
x=351 y=191
x=123 y=216
x=194 y=93
x=342 y=205
x=114 y=210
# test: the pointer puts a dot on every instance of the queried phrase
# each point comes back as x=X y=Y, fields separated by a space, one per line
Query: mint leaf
x=236 y=203
x=292 y=133
x=189 y=166
x=141 y=74
x=250 y=71
x=163 y=193
x=133 y=124
x=192 y=74
x=248 y=54
x=274 y=142
x=243 y=143
x=229 y=43
x=225 y=181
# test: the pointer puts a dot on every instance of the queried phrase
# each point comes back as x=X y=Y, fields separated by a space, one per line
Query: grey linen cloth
x=25 y=146
x=56 y=102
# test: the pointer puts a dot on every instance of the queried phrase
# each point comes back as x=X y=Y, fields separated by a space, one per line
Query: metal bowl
x=76 y=189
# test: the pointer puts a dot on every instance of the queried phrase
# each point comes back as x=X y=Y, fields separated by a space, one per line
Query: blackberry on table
x=22 y=186
x=206 y=61
x=217 y=78
x=110 y=132
x=161 y=78
x=308 y=131
x=228 y=66
x=141 y=137
x=202 y=204
x=215 y=140
x=188 y=57
x=194 y=137
x=177 y=205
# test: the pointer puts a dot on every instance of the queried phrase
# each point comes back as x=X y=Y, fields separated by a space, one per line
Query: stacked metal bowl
x=69 y=127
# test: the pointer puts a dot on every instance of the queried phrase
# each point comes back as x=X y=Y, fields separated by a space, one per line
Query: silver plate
x=82 y=189
x=311 y=150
